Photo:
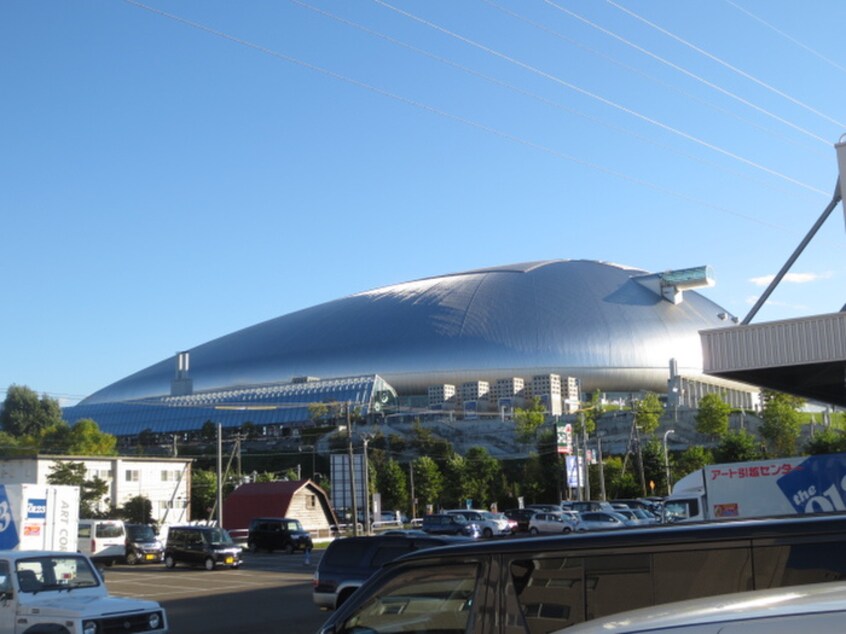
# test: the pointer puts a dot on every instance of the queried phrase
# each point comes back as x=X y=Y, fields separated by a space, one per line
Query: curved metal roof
x=586 y=319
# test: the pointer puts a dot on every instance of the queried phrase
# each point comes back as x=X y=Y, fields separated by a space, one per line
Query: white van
x=815 y=607
x=104 y=541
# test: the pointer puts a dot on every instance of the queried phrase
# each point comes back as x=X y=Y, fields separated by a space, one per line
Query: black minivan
x=206 y=546
x=539 y=585
x=277 y=533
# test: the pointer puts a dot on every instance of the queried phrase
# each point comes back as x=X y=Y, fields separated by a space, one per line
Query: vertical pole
x=366 y=491
x=220 y=475
x=352 y=471
x=413 y=499
x=603 y=497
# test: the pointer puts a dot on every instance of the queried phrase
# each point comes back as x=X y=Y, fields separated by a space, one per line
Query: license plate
x=149 y=556
x=229 y=560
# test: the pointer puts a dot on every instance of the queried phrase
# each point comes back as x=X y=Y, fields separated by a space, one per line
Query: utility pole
x=220 y=475
x=352 y=472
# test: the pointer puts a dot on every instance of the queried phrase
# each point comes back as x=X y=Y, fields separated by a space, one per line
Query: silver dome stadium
x=614 y=328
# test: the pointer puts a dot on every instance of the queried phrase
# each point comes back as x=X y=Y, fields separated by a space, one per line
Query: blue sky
x=174 y=171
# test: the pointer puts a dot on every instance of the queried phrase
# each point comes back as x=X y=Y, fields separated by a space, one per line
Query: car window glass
x=550 y=592
x=389 y=552
x=109 y=530
x=615 y=583
x=700 y=573
x=433 y=599
x=796 y=564
x=344 y=552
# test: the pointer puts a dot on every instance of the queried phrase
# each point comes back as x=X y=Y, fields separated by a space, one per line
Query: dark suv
x=450 y=524
x=277 y=533
x=348 y=562
x=205 y=546
x=142 y=545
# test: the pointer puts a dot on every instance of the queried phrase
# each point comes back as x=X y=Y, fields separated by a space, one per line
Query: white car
x=817 y=607
x=47 y=591
x=637 y=516
x=602 y=520
x=550 y=523
x=489 y=523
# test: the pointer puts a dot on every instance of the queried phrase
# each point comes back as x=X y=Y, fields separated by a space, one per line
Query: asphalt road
x=270 y=593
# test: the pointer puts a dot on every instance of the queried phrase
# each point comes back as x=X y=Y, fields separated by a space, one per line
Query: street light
x=667 y=458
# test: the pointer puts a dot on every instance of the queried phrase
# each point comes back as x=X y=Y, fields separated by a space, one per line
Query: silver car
x=602 y=520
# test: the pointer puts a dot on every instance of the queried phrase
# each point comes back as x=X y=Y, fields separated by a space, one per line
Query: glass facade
x=272 y=404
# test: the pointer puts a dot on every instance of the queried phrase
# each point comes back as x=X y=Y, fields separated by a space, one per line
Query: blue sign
x=36 y=509
x=816 y=485
x=8 y=530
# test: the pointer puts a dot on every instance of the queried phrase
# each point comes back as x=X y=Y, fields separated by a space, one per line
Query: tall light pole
x=667 y=459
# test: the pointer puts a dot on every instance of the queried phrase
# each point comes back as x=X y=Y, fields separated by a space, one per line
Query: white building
x=166 y=482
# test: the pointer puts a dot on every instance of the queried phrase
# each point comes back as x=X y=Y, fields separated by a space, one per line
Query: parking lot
x=270 y=592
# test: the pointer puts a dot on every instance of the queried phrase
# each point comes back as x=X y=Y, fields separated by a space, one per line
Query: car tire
x=208 y=564
x=252 y=547
x=567 y=529
x=533 y=530
x=289 y=548
x=132 y=558
x=170 y=562
x=487 y=532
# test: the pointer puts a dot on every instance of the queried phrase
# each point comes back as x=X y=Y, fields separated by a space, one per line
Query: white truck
x=38 y=517
x=761 y=488
x=54 y=592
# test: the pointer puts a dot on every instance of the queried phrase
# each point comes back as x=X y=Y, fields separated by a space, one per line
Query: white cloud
x=793 y=278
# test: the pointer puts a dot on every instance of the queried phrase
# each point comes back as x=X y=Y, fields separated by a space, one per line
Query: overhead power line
x=601 y=99
x=725 y=64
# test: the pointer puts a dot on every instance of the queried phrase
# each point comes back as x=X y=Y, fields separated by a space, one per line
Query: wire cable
x=725 y=64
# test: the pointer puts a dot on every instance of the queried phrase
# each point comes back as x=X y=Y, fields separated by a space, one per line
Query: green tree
x=648 y=413
x=457 y=487
x=137 y=510
x=693 y=458
x=208 y=431
x=91 y=492
x=593 y=412
x=781 y=423
x=712 y=418
x=428 y=481
x=738 y=446
x=826 y=440
x=203 y=493
x=618 y=483
x=25 y=414
x=528 y=421
x=83 y=438
x=481 y=471
x=393 y=485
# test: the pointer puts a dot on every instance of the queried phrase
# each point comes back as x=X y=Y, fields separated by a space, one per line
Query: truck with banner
x=761 y=488
x=39 y=517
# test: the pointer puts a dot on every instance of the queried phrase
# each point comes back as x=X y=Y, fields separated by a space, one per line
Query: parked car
x=206 y=546
x=489 y=523
x=820 y=607
x=522 y=517
x=277 y=533
x=549 y=523
x=637 y=516
x=549 y=583
x=450 y=524
x=546 y=508
x=49 y=591
x=348 y=562
x=602 y=520
x=102 y=540
x=583 y=506
x=143 y=545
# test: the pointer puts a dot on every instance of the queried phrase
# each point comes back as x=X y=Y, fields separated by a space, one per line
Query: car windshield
x=55 y=573
x=141 y=533
x=218 y=536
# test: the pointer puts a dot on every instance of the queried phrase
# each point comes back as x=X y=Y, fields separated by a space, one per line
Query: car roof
x=727 y=608
x=727 y=530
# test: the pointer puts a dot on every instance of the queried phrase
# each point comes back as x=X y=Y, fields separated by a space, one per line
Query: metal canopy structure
x=805 y=357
